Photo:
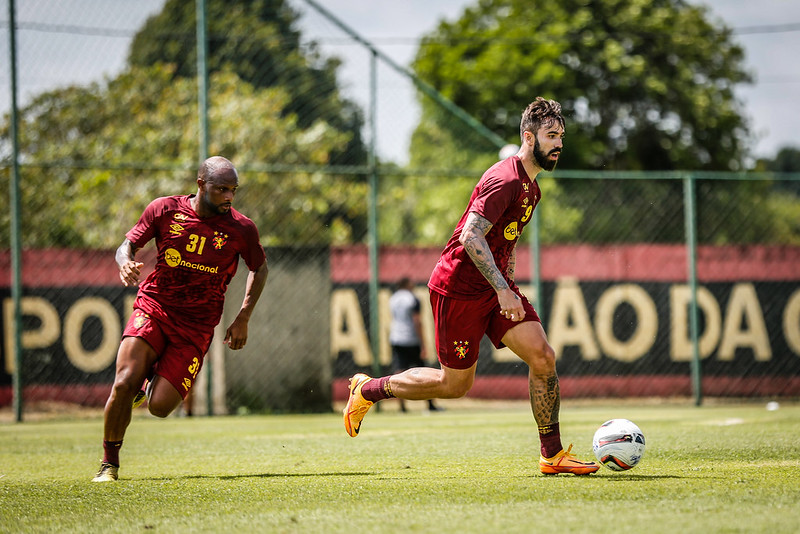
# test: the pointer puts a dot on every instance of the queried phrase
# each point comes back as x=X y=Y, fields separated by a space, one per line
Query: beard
x=542 y=159
x=217 y=209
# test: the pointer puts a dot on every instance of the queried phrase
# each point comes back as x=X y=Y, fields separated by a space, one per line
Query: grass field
x=722 y=468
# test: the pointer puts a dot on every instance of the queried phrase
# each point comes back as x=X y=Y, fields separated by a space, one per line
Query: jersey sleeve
x=253 y=253
x=145 y=228
x=495 y=196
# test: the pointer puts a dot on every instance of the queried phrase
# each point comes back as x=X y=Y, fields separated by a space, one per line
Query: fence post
x=16 y=234
x=690 y=216
x=202 y=127
x=374 y=316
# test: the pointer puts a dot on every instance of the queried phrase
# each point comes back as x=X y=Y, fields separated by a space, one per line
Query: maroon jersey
x=506 y=197
x=197 y=258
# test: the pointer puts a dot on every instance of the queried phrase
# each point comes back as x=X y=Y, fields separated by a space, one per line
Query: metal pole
x=374 y=316
x=202 y=125
x=691 y=256
x=202 y=79
x=16 y=232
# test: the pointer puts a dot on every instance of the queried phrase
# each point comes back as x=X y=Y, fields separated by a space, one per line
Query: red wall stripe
x=655 y=263
x=637 y=263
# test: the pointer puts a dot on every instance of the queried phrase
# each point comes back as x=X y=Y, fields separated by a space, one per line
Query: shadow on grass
x=261 y=475
x=632 y=477
x=602 y=478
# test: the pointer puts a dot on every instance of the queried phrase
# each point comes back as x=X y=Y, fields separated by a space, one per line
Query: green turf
x=725 y=468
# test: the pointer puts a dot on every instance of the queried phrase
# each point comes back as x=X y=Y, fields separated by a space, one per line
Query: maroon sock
x=377 y=389
x=550 y=438
x=111 y=452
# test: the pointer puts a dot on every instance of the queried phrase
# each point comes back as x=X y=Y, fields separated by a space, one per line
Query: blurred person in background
x=405 y=333
x=473 y=294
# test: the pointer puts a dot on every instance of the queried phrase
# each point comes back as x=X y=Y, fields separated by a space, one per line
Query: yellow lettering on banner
x=680 y=339
x=643 y=336
x=743 y=304
x=791 y=322
x=570 y=323
x=44 y=336
x=347 y=327
x=100 y=358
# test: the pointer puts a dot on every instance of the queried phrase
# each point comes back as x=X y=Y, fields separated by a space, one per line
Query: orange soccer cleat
x=357 y=406
x=565 y=462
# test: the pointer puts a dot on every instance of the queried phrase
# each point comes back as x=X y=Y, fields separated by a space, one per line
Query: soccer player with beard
x=473 y=293
x=200 y=239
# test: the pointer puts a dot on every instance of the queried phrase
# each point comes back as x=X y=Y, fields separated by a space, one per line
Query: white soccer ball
x=618 y=444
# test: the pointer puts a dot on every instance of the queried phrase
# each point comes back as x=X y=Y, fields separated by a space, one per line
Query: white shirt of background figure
x=404 y=307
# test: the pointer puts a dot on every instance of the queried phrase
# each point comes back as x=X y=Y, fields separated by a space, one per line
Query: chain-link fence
x=108 y=119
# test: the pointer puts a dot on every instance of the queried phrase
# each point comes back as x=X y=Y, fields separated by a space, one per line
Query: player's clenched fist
x=129 y=273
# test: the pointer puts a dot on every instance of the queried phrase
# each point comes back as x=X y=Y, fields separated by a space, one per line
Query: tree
x=258 y=40
x=96 y=155
x=786 y=160
x=637 y=93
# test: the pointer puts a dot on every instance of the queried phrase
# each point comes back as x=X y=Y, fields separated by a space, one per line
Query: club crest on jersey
x=219 y=240
x=140 y=319
x=461 y=347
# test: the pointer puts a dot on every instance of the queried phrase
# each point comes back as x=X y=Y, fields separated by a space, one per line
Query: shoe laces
x=564 y=455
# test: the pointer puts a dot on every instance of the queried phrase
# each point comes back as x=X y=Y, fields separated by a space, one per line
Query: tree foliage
x=645 y=84
x=259 y=41
x=94 y=156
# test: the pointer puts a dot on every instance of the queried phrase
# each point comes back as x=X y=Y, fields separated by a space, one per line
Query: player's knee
x=542 y=359
x=159 y=409
x=163 y=399
x=456 y=390
x=125 y=387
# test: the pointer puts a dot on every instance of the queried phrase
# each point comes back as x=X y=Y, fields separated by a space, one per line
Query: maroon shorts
x=461 y=324
x=179 y=360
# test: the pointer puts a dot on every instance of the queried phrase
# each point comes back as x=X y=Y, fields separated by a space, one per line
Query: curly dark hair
x=540 y=112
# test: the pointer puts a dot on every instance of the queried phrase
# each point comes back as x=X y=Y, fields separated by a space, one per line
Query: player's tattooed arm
x=473 y=237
